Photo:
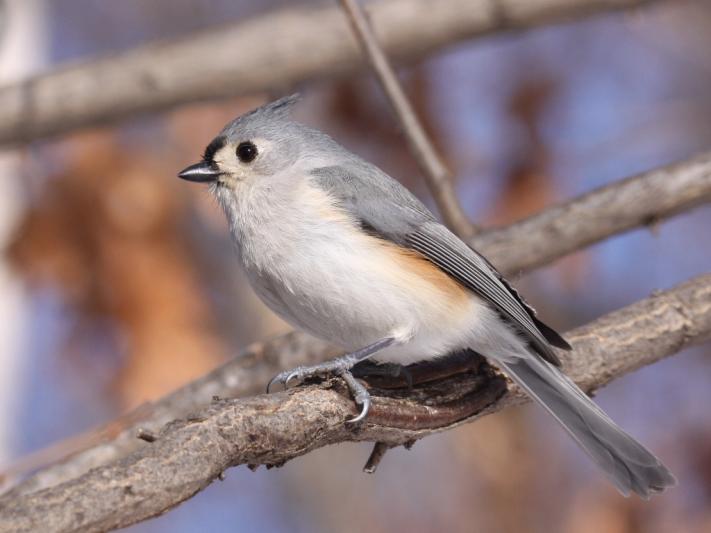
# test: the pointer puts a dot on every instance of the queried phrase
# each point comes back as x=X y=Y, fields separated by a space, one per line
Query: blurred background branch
x=272 y=429
x=643 y=200
x=304 y=43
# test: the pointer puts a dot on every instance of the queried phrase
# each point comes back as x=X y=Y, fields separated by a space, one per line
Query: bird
x=341 y=250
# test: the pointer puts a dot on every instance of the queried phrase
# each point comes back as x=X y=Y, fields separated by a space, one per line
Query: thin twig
x=438 y=178
x=379 y=450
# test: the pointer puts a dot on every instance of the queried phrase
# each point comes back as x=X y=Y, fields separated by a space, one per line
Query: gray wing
x=388 y=210
x=377 y=201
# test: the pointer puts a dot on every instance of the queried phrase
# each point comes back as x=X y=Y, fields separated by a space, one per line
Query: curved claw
x=294 y=374
x=284 y=379
x=363 y=412
x=272 y=381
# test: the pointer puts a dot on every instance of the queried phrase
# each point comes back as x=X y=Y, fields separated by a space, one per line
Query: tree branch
x=643 y=200
x=637 y=201
x=272 y=429
x=438 y=178
x=284 y=47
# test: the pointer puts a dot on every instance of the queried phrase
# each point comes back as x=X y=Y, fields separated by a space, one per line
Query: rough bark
x=532 y=242
x=271 y=429
x=270 y=52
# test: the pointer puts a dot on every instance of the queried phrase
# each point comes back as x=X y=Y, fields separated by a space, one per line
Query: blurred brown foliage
x=106 y=234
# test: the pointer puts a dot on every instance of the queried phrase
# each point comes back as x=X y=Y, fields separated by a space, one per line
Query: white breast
x=311 y=263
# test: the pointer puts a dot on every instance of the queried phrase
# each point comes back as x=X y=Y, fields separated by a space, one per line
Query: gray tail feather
x=629 y=465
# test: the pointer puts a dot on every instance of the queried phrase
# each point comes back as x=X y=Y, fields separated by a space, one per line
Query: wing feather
x=455 y=258
x=387 y=209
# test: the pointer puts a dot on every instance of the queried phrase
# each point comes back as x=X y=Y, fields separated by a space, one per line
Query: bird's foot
x=340 y=367
x=335 y=367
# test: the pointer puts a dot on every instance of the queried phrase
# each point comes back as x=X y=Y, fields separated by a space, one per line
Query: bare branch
x=438 y=178
x=652 y=196
x=271 y=429
x=643 y=200
x=284 y=48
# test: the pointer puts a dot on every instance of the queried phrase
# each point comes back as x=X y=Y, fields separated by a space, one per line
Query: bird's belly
x=353 y=289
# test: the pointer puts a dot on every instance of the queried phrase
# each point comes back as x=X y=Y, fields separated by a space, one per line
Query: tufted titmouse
x=338 y=248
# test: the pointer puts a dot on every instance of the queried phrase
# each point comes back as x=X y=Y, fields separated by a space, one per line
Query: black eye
x=246 y=151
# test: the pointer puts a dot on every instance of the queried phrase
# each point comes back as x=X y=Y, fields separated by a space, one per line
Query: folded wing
x=387 y=209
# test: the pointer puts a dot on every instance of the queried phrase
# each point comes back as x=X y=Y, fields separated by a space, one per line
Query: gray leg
x=340 y=366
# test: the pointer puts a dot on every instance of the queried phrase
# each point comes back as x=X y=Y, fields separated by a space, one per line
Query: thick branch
x=271 y=429
x=269 y=52
x=648 y=197
x=436 y=174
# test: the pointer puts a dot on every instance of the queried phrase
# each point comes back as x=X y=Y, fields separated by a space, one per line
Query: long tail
x=630 y=466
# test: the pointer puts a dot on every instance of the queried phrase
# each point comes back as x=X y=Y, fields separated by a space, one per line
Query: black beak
x=202 y=172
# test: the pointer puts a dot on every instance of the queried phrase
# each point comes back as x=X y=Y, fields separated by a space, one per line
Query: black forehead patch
x=213 y=147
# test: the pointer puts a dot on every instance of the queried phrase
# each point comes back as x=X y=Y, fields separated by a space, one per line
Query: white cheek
x=227 y=160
